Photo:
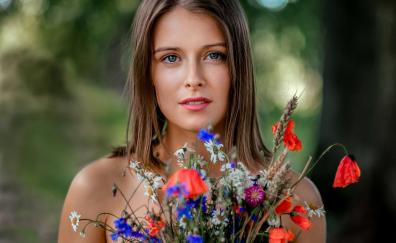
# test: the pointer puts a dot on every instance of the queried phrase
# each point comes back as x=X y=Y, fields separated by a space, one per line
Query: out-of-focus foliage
x=286 y=47
x=62 y=70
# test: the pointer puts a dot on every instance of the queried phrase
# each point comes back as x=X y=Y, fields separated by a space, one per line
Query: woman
x=191 y=66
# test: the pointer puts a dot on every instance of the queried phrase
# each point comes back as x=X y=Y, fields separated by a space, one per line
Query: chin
x=195 y=124
x=194 y=127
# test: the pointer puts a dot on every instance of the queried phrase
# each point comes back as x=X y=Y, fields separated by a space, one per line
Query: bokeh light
x=4 y=4
x=273 y=4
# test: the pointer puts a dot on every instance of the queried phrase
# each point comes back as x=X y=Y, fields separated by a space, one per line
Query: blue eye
x=216 y=55
x=171 y=58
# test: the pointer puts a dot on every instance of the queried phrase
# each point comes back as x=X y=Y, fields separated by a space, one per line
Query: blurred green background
x=63 y=66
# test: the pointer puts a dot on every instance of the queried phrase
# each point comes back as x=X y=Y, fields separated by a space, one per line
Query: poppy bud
x=285 y=206
x=348 y=172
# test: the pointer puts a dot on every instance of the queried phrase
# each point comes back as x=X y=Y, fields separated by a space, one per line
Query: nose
x=194 y=76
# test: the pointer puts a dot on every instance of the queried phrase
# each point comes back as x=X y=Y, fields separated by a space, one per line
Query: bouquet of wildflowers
x=238 y=206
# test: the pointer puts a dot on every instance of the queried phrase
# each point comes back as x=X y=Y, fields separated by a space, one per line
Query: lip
x=197 y=107
x=191 y=99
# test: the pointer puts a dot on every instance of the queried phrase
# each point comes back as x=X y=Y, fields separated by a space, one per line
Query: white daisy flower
x=150 y=193
x=157 y=182
x=150 y=180
x=312 y=210
x=228 y=166
x=151 y=183
x=218 y=218
x=183 y=222
x=133 y=164
x=237 y=178
x=214 y=150
x=274 y=220
x=75 y=220
x=180 y=154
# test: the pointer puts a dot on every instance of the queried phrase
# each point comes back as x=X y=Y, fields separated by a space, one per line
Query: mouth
x=195 y=104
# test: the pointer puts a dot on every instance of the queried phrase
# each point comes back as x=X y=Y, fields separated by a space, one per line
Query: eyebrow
x=176 y=48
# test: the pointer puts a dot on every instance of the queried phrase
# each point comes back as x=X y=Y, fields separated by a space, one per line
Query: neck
x=176 y=137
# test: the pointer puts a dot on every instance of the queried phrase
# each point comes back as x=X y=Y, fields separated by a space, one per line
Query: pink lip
x=197 y=107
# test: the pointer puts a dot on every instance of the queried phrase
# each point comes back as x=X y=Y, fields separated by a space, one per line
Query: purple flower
x=204 y=135
x=194 y=239
x=254 y=195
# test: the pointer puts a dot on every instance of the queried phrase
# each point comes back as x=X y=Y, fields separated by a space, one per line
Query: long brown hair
x=145 y=119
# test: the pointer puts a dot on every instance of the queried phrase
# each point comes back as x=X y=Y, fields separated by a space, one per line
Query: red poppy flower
x=299 y=209
x=292 y=142
x=289 y=127
x=191 y=180
x=154 y=226
x=280 y=235
x=348 y=172
x=285 y=206
x=301 y=221
x=290 y=139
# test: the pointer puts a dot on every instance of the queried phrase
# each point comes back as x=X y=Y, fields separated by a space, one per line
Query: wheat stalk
x=282 y=125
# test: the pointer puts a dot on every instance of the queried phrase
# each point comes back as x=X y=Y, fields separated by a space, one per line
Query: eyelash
x=222 y=56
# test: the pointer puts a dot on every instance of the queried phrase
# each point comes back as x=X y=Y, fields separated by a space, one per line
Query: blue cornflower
x=154 y=240
x=233 y=165
x=123 y=229
x=120 y=223
x=191 y=203
x=254 y=218
x=203 y=204
x=179 y=190
x=199 y=202
x=184 y=211
x=137 y=235
x=204 y=135
x=115 y=236
x=194 y=239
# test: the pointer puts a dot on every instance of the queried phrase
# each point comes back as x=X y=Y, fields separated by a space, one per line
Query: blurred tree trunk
x=359 y=111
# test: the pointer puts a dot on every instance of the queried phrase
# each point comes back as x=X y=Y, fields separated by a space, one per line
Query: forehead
x=183 y=28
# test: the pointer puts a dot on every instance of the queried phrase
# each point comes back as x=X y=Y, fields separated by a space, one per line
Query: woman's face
x=189 y=61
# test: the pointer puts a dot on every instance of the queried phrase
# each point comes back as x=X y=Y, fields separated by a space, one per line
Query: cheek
x=166 y=85
x=163 y=89
x=221 y=83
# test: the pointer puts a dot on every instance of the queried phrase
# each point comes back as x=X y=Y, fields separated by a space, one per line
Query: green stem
x=302 y=173
x=324 y=152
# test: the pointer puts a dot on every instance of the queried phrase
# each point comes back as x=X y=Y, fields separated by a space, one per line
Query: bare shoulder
x=99 y=173
x=306 y=191
x=95 y=180
x=90 y=194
